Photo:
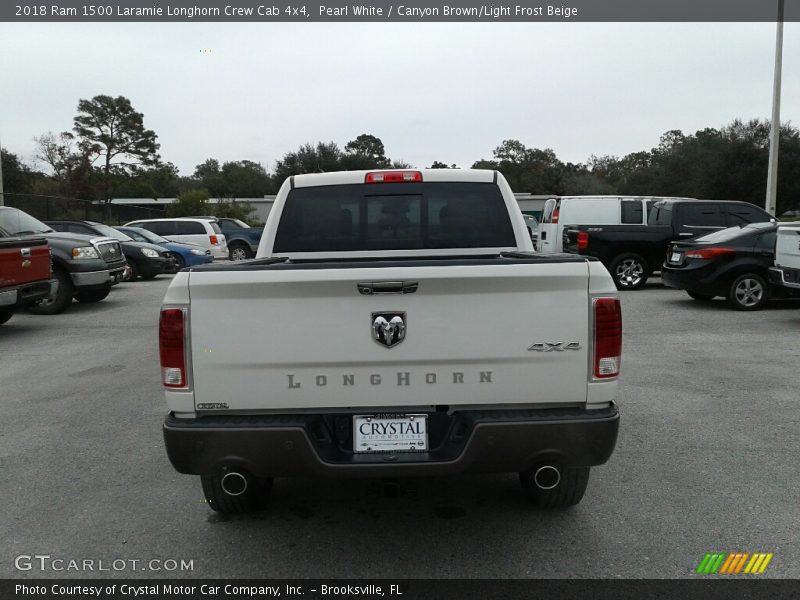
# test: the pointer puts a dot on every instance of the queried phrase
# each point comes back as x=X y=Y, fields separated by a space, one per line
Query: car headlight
x=198 y=252
x=149 y=253
x=85 y=252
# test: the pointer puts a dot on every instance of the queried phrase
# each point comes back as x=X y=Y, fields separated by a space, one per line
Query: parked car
x=733 y=263
x=242 y=239
x=184 y=254
x=423 y=283
x=85 y=267
x=203 y=232
x=786 y=272
x=144 y=259
x=565 y=211
x=25 y=273
x=632 y=253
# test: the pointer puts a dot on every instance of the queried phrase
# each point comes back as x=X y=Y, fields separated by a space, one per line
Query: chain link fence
x=55 y=208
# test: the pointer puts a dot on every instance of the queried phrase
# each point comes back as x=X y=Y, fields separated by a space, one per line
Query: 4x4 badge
x=388 y=328
x=555 y=346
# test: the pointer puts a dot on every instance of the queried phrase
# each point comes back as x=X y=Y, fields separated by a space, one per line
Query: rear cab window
x=404 y=216
x=700 y=215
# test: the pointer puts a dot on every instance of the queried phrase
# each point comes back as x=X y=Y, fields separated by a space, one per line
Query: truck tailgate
x=289 y=339
x=23 y=261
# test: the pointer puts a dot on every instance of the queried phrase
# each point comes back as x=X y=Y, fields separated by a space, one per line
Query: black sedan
x=732 y=263
x=144 y=260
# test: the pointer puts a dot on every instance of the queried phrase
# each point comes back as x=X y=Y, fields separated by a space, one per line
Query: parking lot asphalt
x=707 y=460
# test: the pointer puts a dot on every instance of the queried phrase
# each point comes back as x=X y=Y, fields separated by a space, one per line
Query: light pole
x=774 y=137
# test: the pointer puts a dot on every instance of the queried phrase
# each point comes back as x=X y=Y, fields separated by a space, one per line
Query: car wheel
x=748 y=292
x=131 y=271
x=700 y=297
x=254 y=493
x=629 y=272
x=60 y=301
x=6 y=314
x=556 y=487
x=92 y=296
x=239 y=252
x=179 y=262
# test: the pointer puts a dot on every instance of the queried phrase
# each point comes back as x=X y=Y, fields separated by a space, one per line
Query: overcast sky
x=429 y=91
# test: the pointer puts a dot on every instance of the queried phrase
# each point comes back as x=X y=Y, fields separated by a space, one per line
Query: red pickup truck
x=25 y=273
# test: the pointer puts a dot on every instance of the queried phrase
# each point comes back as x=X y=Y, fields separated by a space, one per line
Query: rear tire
x=62 y=298
x=700 y=297
x=568 y=492
x=238 y=251
x=92 y=296
x=6 y=314
x=255 y=497
x=629 y=271
x=748 y=292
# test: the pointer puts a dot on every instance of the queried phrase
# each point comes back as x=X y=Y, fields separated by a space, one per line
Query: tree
x=18 y=177
x=365 y=152
x=440 y=165
x=233 y=210
x=322 y=158
x=189 y=203
x=245 y=179
x=70 y=162
x=111 y=130
x=161 y=181
x=526 y=169
x=209 y=176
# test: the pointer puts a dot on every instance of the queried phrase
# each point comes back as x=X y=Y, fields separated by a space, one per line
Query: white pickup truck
x=393 y=323
x=786 y=271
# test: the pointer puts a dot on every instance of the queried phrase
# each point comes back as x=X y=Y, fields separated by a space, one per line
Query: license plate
x=390 y=433
x=675 y=258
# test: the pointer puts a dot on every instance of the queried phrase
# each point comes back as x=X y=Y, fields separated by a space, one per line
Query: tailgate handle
x=370 y=288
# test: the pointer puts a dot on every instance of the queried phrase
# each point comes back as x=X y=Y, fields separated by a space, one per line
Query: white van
x=590 y=210
x=203 y=232
x=786 y=271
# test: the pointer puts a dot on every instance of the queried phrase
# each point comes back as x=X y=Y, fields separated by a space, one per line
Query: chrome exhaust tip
x=234 y=483
x=547 y=477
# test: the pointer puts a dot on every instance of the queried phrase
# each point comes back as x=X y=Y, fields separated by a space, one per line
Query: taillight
x=607 y=337
x=393 y=177
x=708 y=253
x=554 y=218
x=171 y=340
x=583 y=240
x=214 y=240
